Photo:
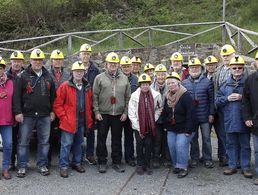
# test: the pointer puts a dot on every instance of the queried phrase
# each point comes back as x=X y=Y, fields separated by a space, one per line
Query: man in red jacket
x=73 y=107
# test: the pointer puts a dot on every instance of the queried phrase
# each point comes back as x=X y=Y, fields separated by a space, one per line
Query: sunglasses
x=237 y=68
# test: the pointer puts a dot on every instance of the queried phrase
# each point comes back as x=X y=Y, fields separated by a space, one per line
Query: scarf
x=3 y=79
x=173 y=98
x=146 y=114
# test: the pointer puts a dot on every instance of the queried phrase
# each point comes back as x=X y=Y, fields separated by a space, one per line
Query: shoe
x=182 y=173
x=148 y=171
x=247 y=174
x=44 y=171
x=78 y=168
x=91 y=160
x=230 y=171
x=21 y=172
x=118 y=168
x=223 y=162
x=256 y=182
x=208 y=164
x=64 y=173
x=193 y=163
x=131 y=162
x=102 y=168
x=6 y=174
x=176 y=170
x=139 y=170
x=156 y=164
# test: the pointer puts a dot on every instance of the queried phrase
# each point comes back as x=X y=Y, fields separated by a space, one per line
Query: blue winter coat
x=233 y=119
x=202 y=92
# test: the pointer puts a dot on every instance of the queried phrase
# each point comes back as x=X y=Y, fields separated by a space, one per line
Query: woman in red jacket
x=73 y=106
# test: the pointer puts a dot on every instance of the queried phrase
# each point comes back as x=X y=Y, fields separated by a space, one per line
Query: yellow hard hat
x=136 y=59
x=148 y=66
x=2 y=62
x=57 y=54
x=237 y=60
x=174 y=75
x=17 y=55
x=227 y=50
x=85 y=47
x=125 y=60
x=78 y=65
x=256 y=55
x=160 y=68
x=176 y=57
x=144 y=78
x=210 y=60
x=194 y=62
x=112 y=57
x=37 y=54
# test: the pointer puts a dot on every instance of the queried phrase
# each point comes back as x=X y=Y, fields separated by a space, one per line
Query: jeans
x=255 y=141
x=178 y=144
x=116 y=136
x=6 y=133
x=42 y=125
x=128 y=140
x=233 y=140
x=206 y=143
x=143 y=149
x=71 y=142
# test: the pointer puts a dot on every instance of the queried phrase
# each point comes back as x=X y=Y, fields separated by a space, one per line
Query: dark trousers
x=15 y=130
x=90 y=143
x=128 y=140
x=160 y=144
x=116 y=135
x=221 y=135
x=54 y=138
x=143 y=149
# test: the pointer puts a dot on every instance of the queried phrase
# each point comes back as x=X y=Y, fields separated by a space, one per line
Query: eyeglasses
x=237 y=68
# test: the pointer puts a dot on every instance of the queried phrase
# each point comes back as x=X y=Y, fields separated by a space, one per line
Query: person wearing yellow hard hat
x=91 y=71
x=250 y=107
x=73 y=105
x=17 y=62
x=202 y=91
x=32 y=105
x=178 y=119
x=161 y=153
x=126 y=67
x=211 y=64
x=6 y=118
x=149 y=69
x=145 y=107
x=136 y=65
x=111 y=94
x=177 y=65
x=229 y=99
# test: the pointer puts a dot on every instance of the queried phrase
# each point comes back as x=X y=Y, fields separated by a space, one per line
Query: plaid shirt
x=224 y=75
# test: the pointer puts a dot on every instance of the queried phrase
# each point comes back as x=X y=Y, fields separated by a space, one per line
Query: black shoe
x=176 y=170
x=208 y=164
x=102 y=168
x=247 y=174
x=193 y=163
x=167 y=164
x=131 y=162
x=44 y=171
x=182 y=173
x=148 y=171
x=230 y=171
x=21 y=172
x=156 y=163
x=118 y=168
x=91 y=160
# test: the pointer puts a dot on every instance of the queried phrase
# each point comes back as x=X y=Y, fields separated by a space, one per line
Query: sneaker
x=131 y=162
x=193 y=163
x=247 y=174
x=44 y=171
x=230 y=171
x=91 y=160
x=102 y=168
x=118 y=168
x=21 y=172
x=182 y=173
x=208 y=164
x=139 y=170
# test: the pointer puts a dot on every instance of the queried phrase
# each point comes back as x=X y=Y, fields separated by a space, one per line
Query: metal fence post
x=150 y=37
x=69 y=45
x=239 y=41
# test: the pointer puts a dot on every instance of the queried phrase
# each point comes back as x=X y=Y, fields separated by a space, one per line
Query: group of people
x=161 y=109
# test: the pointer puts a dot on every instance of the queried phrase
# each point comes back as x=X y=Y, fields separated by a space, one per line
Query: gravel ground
x=199 y=181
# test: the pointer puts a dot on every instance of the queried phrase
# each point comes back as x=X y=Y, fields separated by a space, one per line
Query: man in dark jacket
x=250 y=109
x=32 y=105
x=91 y=71
x=202 y=93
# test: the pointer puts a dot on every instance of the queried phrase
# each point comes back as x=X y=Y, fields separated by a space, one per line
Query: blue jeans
x=178 y=145
x=42 y=125
x=206 y=143
x=233 y=141
x=255 y=141
x=6 y=133
x=71 y=142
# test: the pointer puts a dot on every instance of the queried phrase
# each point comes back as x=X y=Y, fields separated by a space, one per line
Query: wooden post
x=121 y=40
x=69 y=46
x=239 y=42
x=150 y=37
